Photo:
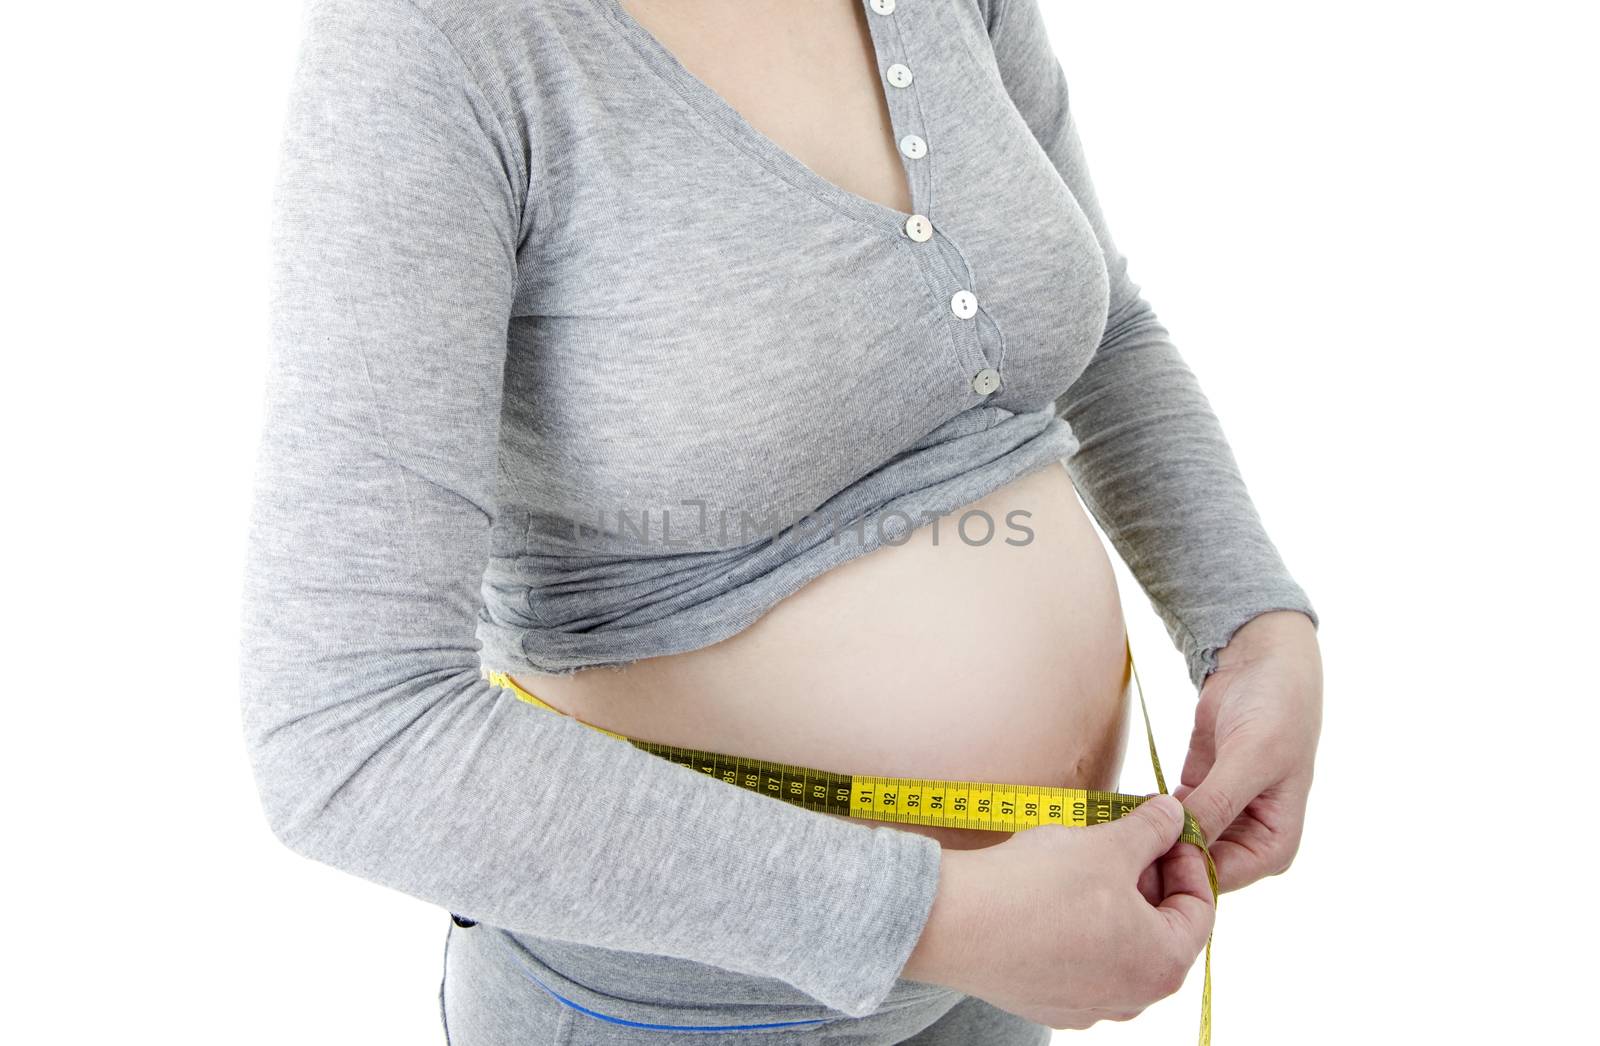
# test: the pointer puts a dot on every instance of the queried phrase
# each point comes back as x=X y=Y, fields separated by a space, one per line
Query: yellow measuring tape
x=909 y=800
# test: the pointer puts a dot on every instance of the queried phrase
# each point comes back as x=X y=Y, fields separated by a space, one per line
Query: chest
x=732 y=299
x=805 y=76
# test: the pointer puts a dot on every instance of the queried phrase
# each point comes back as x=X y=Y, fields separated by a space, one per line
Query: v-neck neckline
x=713 y=107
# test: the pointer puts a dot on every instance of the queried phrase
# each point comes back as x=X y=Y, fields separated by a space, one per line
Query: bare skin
x=932 y=659
x=936 y=658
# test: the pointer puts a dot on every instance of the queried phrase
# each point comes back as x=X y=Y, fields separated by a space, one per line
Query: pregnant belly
x=973 y=659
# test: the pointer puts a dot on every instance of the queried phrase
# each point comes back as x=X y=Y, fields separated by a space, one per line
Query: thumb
x=1152 y=828
x=1232 y=782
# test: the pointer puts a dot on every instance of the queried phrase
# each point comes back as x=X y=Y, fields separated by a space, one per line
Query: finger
x=1149 y=830
x=1150 y=884
x=1188 y=908
x=1200 y=758
x=1202 y=738
x=1240 y=864
x=1183 y=870
x=1235 y=779
x=1237 y=866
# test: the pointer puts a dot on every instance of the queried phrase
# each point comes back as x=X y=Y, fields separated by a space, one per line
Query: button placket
x=981 y=378
x=980 y=370
x=897 y=77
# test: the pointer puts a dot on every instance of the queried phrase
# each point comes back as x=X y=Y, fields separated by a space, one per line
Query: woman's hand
x=1248 y=773
x=1050 y=924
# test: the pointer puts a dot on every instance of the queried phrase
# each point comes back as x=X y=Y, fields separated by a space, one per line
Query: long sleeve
x=1153 y=465
x=397 y=229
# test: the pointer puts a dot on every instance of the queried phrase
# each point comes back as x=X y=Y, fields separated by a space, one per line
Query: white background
x=1370 y=227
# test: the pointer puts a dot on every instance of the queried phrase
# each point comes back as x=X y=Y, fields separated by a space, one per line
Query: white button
x=899 y=75
x=883 y=7
x=913 y=147
x=964 y=304
x=985 y=381
x=919 y=228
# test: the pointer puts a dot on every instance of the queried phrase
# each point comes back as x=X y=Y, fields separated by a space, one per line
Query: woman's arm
x=1153 y=466
x=1158 y=475
x=377 y=748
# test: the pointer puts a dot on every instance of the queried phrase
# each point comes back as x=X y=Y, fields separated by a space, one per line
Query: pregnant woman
x=728 y=375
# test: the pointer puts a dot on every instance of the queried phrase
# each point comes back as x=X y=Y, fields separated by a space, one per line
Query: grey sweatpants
x=501 y=988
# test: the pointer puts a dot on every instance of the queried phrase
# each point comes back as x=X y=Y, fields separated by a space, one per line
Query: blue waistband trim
x=667 y=1027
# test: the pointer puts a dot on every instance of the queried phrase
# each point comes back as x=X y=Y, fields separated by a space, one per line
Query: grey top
x=569 y=359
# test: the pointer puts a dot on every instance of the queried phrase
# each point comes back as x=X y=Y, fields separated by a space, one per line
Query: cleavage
x=803 y=75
